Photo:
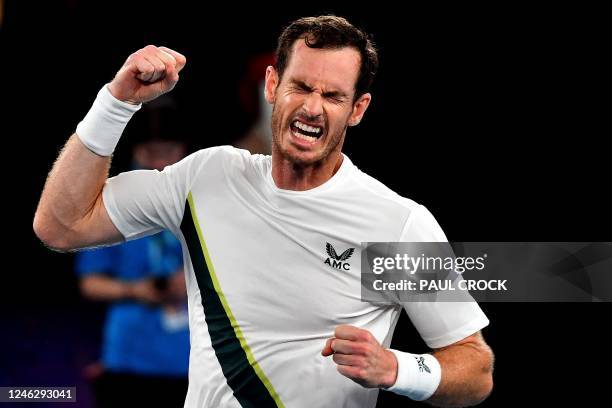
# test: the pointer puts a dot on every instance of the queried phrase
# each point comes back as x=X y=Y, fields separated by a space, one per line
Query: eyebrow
x=330 y=94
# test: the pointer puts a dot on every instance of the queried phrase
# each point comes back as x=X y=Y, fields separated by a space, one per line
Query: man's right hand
x=146 y=74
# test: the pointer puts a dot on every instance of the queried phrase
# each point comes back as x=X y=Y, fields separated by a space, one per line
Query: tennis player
x=271 y=244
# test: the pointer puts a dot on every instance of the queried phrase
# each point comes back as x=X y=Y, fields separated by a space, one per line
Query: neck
x=288 y=175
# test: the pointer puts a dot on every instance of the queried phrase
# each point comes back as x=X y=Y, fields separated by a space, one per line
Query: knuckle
x=361 y=349
x=138 y=58
x=167 y=55
x=362 y=362
x=339 y=329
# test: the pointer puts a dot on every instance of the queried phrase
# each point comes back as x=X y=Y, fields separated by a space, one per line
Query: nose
x=313 y=105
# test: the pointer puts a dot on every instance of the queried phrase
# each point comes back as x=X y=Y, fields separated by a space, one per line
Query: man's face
x=313 y=103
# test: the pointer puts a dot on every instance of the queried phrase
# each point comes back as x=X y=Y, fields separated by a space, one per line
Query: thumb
x=327 y=349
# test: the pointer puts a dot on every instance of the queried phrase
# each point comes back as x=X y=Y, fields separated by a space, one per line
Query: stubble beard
x=333 y=140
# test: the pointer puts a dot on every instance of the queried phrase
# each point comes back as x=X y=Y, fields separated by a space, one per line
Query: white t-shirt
x=262 y=299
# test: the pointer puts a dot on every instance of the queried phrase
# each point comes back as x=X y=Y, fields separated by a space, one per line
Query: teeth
x=305 y=127
x=299 y=135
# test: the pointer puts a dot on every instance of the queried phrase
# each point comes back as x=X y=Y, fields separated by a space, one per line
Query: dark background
x=492 y=118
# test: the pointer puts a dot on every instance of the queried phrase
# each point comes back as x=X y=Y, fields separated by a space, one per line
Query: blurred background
x=495 y=119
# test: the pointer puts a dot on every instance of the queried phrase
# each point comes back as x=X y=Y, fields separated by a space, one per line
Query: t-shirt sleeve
x=439 y=323
x=143 y=202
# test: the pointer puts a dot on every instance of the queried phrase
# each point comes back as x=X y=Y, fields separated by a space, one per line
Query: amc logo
x=338 y=261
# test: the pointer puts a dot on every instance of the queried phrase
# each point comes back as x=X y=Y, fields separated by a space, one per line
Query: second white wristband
x=418 y=375
x=103 y=125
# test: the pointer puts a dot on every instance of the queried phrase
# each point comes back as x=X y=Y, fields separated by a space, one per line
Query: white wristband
x=101 y=128
x=418 y=375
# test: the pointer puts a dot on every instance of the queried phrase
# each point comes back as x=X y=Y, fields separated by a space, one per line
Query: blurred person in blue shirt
x=145 y=348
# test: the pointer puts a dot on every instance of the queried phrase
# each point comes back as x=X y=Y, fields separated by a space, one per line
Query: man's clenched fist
x=146 y=74
x=361 y=358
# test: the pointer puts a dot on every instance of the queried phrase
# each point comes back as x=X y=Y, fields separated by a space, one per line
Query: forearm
x=71 y=212
x=71 y=192
x=466 y=375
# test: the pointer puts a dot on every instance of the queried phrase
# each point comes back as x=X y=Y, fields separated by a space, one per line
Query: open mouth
x=306 y=132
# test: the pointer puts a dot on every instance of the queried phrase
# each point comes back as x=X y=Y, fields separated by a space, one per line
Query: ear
x=359 y=108
x=271 y=84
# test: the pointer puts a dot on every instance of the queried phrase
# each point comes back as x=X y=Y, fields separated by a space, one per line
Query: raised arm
x=71 y=212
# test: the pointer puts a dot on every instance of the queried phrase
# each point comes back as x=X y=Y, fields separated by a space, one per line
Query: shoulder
x=226 y=155
x=418 y=224
x=210 y=160
x=203 y=156
x=372 y=189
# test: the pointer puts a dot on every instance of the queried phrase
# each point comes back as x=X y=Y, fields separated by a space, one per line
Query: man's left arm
x=467 y=372
x=465 y=367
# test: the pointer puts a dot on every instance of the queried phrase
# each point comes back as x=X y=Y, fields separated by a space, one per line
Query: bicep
x=476 y=344
x=131 y=205
x=472 y=339
x=96 y=228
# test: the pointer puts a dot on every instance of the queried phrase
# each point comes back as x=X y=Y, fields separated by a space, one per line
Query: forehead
x=336 y=68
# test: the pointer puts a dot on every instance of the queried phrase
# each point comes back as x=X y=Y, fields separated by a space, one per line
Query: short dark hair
x=328 y=32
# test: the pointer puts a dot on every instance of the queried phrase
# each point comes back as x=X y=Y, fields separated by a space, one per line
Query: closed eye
x=301 y=86
x=333 y=96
